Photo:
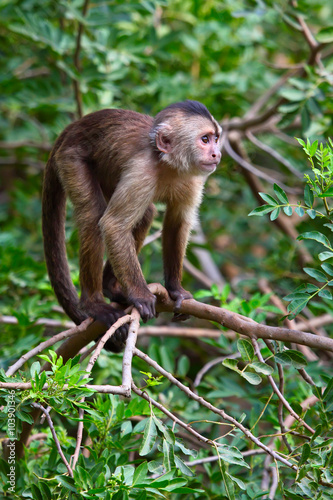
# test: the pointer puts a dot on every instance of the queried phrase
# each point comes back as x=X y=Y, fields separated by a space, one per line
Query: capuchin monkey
x=113 y=165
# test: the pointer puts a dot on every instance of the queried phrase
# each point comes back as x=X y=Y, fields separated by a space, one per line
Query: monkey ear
x=163 y=142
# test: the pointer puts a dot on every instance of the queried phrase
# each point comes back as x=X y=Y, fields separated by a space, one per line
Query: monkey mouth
x=208 y=167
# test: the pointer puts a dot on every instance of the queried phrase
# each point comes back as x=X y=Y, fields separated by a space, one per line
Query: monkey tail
x=53 y=226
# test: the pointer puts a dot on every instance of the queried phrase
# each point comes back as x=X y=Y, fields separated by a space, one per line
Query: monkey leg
x=111 y=286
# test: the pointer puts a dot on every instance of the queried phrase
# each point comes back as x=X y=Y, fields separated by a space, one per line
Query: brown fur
x=112 y=165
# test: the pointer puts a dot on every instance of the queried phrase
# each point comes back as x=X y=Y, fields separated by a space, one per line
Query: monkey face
x=207 y=149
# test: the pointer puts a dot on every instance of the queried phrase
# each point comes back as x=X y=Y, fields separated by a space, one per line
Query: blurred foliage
x=143 y=56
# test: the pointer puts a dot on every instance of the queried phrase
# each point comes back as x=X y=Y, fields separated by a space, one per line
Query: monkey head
x=188 y=138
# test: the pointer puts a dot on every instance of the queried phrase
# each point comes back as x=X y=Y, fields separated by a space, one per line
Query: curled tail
x=53 y=224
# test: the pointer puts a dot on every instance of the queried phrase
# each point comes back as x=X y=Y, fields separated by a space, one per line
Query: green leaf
x=231 y=455
x=184 y=469
x=288 y=210
x=325 y=35
x=67 y=482
x=311 y=288
x=231 y=364
x=325 y=255
x=236 y=480
x=311 y=213
x=275 y=214
x=302 y=143
x=252 y=378
x=35 y=369
x=317 y=236
x=325 y=294
x=183 y=366
x=296 y=296
x=314 y=273
x=313 y=148
x=269 y=199
x=330 y=226
x=149 y=437
x=168 y=458
x=260 y=367
x=328 y=268
x=328 y=192
x=306 y=452
x=291 y=357
x=264 y=209
x=308 y=196
x=292 y=94
x=280 y=194
x=300 y=212
x=24 y=416
x=140 y=473
x=246 y=350
x=296 y=306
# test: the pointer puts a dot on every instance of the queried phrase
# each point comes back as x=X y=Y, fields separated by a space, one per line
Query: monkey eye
x=216 y=139
x=205 y=139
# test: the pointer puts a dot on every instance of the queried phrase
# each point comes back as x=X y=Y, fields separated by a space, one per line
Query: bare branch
x=277 y=391
x=272 y=152
x=55 y=437
x=238 y=323
x=130 y=346
x=48 y=343
x=251 y=168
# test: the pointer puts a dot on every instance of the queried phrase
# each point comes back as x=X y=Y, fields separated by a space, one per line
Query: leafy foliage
x=319 y=186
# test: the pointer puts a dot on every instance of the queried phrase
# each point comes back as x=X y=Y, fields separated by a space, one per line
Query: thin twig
x=251 y=168
x=120 y=322
x=55 y=437
x=212 y=408
x=274 y=154
x=276 y=390
x=168 y=413
x=280 y=409
x=48 y=343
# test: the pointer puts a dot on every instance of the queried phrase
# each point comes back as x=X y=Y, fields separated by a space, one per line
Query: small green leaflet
x=268 y=198
x=311 y=213
x=317 y=236
x=252 y=378
x=288 y=210
x=264 y=209
x=260 y=367
x=325 y=255
x=281 y=195
x=328 y=268
x=314 y=273
x=246 y=349
x=275 y=214
x=308 y=196
x=291 y=357
x=149 y=437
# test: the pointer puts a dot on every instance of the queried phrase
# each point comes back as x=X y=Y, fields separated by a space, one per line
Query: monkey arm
x=119 y=225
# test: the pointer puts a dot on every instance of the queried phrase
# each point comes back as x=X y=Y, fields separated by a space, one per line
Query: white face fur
x=195 y=149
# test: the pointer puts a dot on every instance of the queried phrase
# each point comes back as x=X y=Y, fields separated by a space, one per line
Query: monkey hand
x=108 y=315
x=178 y=295
x=145 y=306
